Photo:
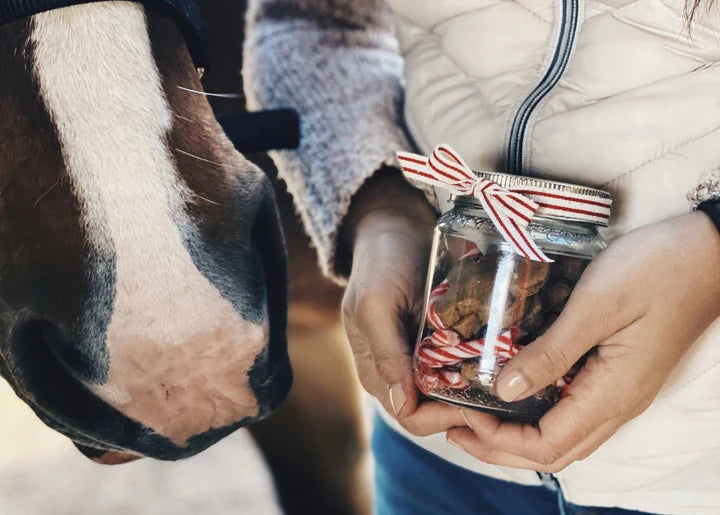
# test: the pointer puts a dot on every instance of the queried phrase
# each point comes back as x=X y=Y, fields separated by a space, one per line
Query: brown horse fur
x=86 y=275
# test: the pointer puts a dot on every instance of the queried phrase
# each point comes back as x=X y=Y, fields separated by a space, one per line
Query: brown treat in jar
x=473 y=273
x=533 y=317
x=569 y=268
x=514 y=312
x=468 y=325
x=471 y=282
x=465 y=307
x=555 y=295
x=468 y=316
x=452 y=309
x=529 y=278
x=533 y=306
x=470 y=369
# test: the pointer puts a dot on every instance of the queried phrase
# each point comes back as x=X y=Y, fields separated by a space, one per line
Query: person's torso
x=615 y=94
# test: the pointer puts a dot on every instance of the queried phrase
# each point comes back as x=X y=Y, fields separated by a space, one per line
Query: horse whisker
x=184 y=118
x=46 y=193
x=205 y=161
x=207 y=199
x=201 y=158
x=205 y=93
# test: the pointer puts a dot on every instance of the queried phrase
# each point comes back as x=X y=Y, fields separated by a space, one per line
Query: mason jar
x=485 y=301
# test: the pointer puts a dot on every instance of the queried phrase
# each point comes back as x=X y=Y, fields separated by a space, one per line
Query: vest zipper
x=569 y=18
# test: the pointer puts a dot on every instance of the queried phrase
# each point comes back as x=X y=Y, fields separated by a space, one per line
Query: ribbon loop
x=509 y=211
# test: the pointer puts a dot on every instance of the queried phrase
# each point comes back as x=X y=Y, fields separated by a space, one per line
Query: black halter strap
x=184 y=12
x=250 y=132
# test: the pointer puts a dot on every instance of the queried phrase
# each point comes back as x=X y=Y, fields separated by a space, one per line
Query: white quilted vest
x=613 y=94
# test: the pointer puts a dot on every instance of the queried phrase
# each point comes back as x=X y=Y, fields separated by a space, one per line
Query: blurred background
x=41 y=472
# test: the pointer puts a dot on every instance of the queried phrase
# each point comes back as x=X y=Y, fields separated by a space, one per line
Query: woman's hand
x=643 y=302
x=389 y=233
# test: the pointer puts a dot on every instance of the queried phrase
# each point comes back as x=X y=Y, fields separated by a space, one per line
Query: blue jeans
x=412 y=481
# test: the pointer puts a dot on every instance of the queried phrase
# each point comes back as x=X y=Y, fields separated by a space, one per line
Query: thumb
x=588 y=319
x=392 y=353
x=381 y=341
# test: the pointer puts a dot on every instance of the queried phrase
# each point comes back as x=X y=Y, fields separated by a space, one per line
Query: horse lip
x=116 y=458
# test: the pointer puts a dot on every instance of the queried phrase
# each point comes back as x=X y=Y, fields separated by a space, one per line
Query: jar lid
x=556 y=200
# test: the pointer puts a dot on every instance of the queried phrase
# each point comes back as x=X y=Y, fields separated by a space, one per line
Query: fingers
x=429 y=417
x=383 y=355
x=593 y=314
x=422 y=419
x=564 y=428
x=378 y=337
x=597 y=405
x=467 y=440
x=432 y=417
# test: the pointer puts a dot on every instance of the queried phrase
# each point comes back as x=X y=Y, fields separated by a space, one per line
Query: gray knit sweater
x=337 y=63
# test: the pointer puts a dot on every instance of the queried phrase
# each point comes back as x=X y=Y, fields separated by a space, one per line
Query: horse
x=142 y=267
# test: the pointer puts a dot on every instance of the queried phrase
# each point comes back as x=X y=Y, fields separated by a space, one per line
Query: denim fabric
x=412 y=481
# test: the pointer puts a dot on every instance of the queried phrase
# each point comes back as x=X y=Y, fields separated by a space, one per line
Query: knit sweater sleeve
x=336 y=62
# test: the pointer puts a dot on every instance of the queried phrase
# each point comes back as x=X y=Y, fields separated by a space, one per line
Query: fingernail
x=397 y=398
x=513 y=386
x=454 y=444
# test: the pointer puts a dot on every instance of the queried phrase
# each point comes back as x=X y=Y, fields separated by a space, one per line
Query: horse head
x=142 y=269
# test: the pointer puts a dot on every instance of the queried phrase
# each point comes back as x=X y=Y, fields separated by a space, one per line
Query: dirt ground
x=41 y=473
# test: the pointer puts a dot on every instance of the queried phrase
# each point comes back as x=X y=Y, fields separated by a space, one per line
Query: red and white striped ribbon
x=510 y=209
x=576 y=206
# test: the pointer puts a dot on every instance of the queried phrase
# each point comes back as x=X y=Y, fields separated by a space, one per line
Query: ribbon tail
x=540 y=255
x=523 y=243
x=416 y=168
x=513 y=230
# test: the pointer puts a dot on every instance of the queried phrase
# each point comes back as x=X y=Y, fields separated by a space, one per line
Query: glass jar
x=485 y=302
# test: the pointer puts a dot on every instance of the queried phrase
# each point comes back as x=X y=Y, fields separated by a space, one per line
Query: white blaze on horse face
x=179 y=352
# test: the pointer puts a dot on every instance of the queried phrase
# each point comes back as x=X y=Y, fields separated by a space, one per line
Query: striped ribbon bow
x=511 y=212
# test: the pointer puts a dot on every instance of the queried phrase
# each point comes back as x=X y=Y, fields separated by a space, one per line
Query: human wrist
x=699 y=251
x=387 y=203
